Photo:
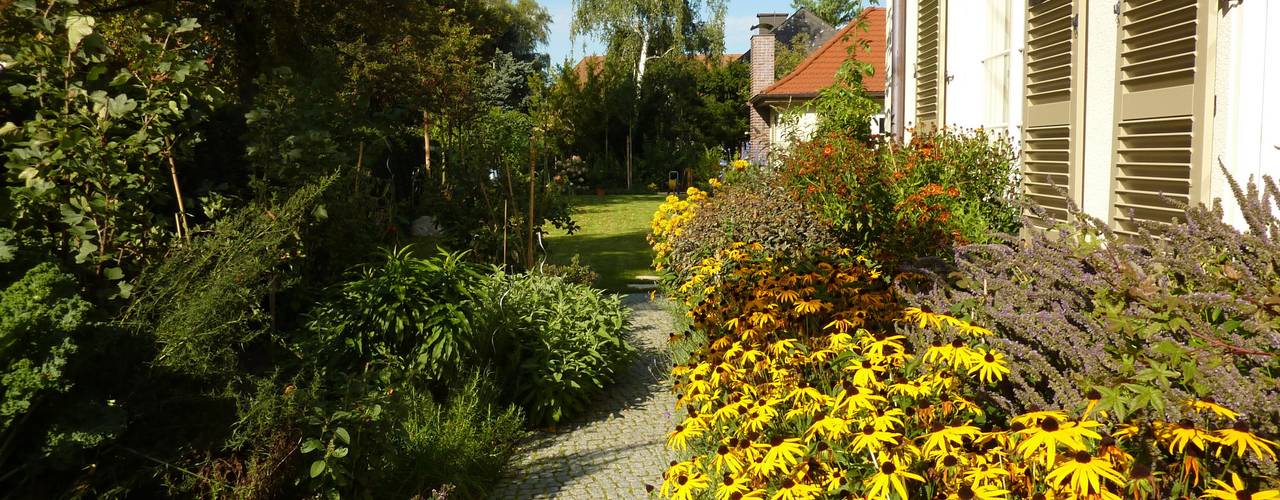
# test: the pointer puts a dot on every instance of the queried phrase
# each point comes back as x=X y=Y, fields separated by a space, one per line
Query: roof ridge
x=817 y=53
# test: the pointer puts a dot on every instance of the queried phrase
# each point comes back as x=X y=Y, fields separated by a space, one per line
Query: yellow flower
x=1087 y=474
x=783 y=453
x=827 y=427
x=1208 y=404
x=791 y=489
x=731 y=484
x=740 y=165
x=989 y=365
x=727 y=459
x=679 y=439
x=923 y=316
x=890 y=477
x=1237 y=490
x=1178 y=436
x=1051 y=433
x=944 y=438
x=685 y=485
x=978 y=491
x=1240 y=438
x=871 y=439
x=714 y=182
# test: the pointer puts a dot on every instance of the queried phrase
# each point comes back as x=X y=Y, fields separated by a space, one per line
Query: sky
x=739 y=19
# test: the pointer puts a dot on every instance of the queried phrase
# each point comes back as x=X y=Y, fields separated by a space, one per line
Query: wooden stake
x=532 y=164
x=183 y=231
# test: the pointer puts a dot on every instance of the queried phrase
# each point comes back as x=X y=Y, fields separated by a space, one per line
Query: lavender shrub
x=1181 y=311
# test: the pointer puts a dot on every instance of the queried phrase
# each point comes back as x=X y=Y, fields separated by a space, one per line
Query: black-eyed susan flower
x=733 y=486
x=792 y=489
x=989 y=365
x=923 y=316
x=976 y=491
x=1238 y=491
x=1212 y=406
x=1177 y=436
x=1241 y=439
x=1052 y=433
x=1087 y=474
x=942 y=438
x=871 y=439
x=679 y=438
x=783 y=453
x=685 y=485
x=890 y=477
x=828 y=427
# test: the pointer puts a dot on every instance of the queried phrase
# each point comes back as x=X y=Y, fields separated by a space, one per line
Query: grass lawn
x=610 y=239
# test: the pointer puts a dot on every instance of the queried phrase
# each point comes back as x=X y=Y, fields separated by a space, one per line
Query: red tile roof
x=819 y=69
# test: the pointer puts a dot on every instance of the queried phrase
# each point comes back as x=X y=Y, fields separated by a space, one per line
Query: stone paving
x=617 y=448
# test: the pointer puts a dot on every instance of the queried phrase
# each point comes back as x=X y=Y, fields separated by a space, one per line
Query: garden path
x=617 y=447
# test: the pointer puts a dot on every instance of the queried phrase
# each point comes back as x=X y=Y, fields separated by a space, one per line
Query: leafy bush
x=558 y=344
x=1177 y=313
x=409 y=316
x=754 y=207
x=574 y=272
x=43 y=321
x=892 y=202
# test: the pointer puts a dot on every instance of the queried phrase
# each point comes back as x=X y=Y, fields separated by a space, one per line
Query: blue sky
x=737 y=27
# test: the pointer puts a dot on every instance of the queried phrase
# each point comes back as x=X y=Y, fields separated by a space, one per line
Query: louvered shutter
x=930 y=64
x=1162 y=108
x=1051 y=137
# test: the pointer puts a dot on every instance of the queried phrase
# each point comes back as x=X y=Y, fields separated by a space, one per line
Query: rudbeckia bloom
x=979 y=492
x=1240 y=438
x=871 y=439
x=1237 y=490
x=1087 y=474
x=1209 y=405
x=1178 y=436
x=944 y=438
x=989 y=365
x=891 y=476
x=1051 y=433
x=685 y=486
x=679 y=439
x=790 y=489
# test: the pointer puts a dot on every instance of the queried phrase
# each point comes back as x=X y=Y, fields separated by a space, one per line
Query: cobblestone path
x=616 y=447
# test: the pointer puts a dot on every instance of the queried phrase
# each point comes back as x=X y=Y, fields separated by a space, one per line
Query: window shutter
x=1163 y=109
x=930 y=64
x=1051 y=137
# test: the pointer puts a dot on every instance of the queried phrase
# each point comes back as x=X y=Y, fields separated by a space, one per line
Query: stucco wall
x=1247 y=123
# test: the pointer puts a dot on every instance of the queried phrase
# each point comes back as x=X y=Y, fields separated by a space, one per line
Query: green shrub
x=893 y=202
x=408 y=315
x=556 y=343
x=755 y=209
x=465 y=443
x=575 y=272
x=41 y=316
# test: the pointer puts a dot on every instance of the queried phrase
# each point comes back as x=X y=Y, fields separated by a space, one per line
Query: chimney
x=769 y=21
x=762 y=58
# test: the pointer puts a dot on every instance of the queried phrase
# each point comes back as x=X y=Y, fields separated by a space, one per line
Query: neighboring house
x=777 y=113
x=1124 y=104
x=802 y=24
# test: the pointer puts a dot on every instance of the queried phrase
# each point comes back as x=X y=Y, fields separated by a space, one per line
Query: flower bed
x=817 y=379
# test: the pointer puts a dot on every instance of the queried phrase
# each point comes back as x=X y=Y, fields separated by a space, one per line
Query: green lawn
x=610 y=239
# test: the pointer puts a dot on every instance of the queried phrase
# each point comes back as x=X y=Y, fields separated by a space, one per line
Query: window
x=996 y=65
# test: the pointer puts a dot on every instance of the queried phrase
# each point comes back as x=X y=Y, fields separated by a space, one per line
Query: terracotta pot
x=599 y=191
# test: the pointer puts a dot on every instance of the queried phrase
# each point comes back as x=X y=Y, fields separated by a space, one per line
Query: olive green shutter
x=931 y=74
x=1163 y=107
x=1054 y=83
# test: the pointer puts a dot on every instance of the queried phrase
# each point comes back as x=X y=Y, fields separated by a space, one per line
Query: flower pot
x=599 y=191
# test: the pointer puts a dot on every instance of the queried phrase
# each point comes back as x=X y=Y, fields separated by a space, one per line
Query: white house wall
x=1246 y=141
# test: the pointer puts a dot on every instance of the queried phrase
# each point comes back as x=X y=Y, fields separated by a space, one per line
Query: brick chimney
x=762 y=59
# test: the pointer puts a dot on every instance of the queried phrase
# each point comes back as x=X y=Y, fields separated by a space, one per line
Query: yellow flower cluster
x=805 y=388
x=740 y=165
x=669 y=220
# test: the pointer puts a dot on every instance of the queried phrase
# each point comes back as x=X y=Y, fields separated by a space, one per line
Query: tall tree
x=642 y=30
x=836 y=12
